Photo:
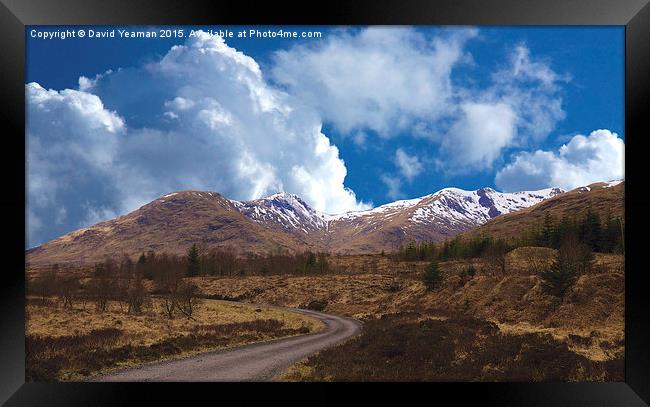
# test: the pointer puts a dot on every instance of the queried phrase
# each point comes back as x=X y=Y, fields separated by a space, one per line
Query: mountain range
x=285 y=222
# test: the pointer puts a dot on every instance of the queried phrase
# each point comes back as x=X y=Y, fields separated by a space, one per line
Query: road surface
x=255 y=362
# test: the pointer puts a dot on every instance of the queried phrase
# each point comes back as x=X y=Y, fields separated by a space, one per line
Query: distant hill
x=284 y=222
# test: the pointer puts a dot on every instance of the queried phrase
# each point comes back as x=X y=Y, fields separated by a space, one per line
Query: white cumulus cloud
x=72 y=144
x=480 y=133
x=533 y=89
x=202 y=117
x=583 y=160
x=382 y=79
x=394 y=81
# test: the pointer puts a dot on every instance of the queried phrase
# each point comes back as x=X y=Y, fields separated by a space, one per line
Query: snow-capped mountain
x=476 y=206
x=453 y=203
x=284 y=221
x=285 y=210
x=432 y=217
x=443 y=213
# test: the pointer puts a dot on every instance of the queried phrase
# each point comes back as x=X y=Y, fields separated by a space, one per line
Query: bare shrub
x=317 y=305
x=187 y=298
x=168 y=282
x=136 y=295
x=494 y=258
x=67 y=288
x=103 y=287
x=45 y=284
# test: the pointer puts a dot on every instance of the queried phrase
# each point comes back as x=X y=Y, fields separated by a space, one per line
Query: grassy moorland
x=417 y=347
x=557 y=312
x=74 y=343
x=579 y=336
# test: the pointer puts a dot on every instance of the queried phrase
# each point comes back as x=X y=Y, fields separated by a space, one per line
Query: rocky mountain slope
x=281 y=222
x=604 y=198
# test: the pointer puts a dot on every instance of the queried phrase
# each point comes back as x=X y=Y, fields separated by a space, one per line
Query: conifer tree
x=142 y=259
x=193 y=261
x=591 y=230
x=573 y=258
x=547 y=231
x=432 y=276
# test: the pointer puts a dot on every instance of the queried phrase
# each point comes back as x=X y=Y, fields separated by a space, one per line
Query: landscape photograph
x=325 y=203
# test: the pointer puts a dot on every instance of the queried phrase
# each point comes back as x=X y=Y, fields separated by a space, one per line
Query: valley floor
x=459 y=325
x=488 y=325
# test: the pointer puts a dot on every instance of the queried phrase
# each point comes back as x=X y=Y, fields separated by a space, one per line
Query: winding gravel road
x=255 y=362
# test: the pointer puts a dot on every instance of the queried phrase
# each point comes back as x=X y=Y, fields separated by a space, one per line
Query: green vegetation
x=573 y=258
x=193 y=264
x=467 y=274
x=224 y=262
x=432 y=276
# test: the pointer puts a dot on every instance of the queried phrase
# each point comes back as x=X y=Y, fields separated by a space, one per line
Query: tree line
x=224 y=262
x=601 y=235
x=604 y=236
x=122 y=281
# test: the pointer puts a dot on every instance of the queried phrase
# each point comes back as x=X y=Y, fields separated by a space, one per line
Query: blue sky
x=357 y=118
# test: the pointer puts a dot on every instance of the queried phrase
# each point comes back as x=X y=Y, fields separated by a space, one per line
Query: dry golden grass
x=152 y=330
x=151 y=326
x=355 y=296
x=298 y=372
x=590 y=319
x=597 y=345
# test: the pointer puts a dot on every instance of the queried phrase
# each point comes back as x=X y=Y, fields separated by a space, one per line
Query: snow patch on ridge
x=477 y=207
x=612 y=183
x=387 y=209
x=285 y=210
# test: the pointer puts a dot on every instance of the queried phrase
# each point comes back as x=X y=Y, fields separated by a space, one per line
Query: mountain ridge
x=281 y=222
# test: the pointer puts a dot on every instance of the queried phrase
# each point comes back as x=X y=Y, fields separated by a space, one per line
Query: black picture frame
x=633 y=14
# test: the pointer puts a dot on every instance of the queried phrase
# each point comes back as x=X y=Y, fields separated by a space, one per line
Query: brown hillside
x=375 y=232
x=597 y=197
x=169 y=224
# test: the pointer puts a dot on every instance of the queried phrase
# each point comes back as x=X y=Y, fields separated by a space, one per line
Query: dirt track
x=256 y=362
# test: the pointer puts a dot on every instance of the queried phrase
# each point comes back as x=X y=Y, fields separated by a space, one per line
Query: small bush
x=467 y=274
x=317 y=305
x=432 y=276
x=393 y=287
